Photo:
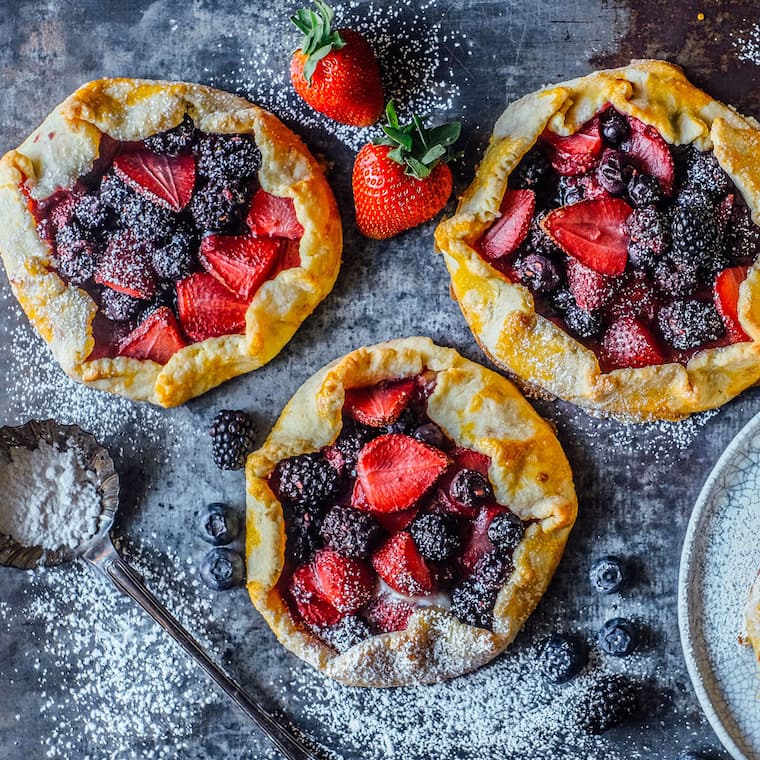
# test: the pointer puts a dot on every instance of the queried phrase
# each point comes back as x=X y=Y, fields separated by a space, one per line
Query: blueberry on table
x=607 y=574
x=222 y=569
x=617 y=637
x=219 y=524
x=561 y=658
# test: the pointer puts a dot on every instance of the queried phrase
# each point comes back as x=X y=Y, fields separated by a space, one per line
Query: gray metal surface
x=635 y=486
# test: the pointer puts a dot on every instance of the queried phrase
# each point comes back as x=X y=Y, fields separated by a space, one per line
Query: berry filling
x=391 y=517
x=176 y=226
x=636 y=248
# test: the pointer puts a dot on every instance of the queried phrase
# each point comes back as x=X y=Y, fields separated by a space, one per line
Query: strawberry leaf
x=319 y=39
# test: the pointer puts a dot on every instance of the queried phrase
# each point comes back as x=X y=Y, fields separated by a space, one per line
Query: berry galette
x=606 y=250
x=405 y=515
x=165 y=237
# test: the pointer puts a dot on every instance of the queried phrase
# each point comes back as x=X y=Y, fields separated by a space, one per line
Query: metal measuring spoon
x=100 y=553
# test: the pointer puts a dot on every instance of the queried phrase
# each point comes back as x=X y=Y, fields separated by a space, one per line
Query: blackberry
x=431 y=434
x=569 y=191
x=506 y=531
x=675 y=279
x=538 y=241
x=617 y=637
x=173 y=141
x=436 y=536
x=471 y=488
x=532 y=170
x=538 y=273
x=346 y=633
x=221 y=157
x=405 y=424
x=77 y=253
x=643 y=190
x=562 y=299
x=350 y=442
x=166 y=295
x=232 y=438
x=114 y=192
x=147 y=221
x=561 y=658
x=613 y=173
x=641 y=257
x=649 y=227
x=176 y=259
x=91 y=212
x=491 y=570
x=350 y=532
x=695 y=197
x=704 y=171
x=307 y=479
x=609 y=701
x=743 y=239
x=220 y=206
x=689 y=324
x=472 y=603
x=118 y=307
x=607 y=574
x=584 y=324
x=302 y=534
x=614 y=127
x=696 y=236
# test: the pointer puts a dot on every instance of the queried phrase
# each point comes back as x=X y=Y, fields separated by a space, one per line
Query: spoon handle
x=128 y=580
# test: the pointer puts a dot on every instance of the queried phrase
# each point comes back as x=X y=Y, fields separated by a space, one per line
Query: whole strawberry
x=336 y=72
x=402 y=180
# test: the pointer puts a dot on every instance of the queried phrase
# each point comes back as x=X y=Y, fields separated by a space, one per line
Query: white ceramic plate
x=720 y=559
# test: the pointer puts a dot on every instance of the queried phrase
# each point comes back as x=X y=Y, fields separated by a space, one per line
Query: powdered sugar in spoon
x=100 y=553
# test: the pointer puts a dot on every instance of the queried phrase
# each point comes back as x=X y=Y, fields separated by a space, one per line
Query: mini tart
x=525 y=339
x=79 y=140
x=479 y=413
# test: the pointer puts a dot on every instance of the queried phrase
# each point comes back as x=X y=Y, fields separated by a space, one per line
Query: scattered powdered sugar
x=50 y=498
x=416 y=57
x=747 y=45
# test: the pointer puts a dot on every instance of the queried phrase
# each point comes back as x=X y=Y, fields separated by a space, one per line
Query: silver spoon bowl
x=100 y=553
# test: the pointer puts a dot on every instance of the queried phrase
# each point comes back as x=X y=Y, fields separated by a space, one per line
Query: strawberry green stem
x=319 y=39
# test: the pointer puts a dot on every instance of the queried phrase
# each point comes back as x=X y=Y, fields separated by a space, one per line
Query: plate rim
x=700 y=513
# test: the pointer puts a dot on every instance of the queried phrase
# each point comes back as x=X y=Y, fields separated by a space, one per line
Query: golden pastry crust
x=479 y=410
x=64 y=147
x=501 y=314
x=752 y=617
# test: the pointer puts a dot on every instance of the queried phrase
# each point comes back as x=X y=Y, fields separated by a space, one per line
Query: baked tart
x=404 y=516
x=606 y=251
x=164 y=237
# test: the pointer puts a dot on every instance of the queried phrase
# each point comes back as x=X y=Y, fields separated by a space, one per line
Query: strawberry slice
x=469 y=459
x=478 y=544
x=395 y=470
x=635 y=298
x=345 y=582
x=650 y=153
x=207 y=309
x=396 y=521
x=126 y=266
x=628 y=343
x=386 y=614
x=592 y=232
x=166 y=180
x=273 y=216
x=313 y=608
x=158 y=338
x=380 y=404
x=240 y=262
x=401 y=566
x=590 y=289
x=577 y=153
x=726 y=296
x=507 y=233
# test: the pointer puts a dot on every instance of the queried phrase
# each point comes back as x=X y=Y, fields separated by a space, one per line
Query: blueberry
x=436 y=536
x=607 y=574
x=491 y=570
x=561 y=657
x=613 y=173
x=615 y=127
x=617 y=637
x=219 y=524
x=644 y=190
x=431 y=434
x=584 y=324
x=539 y=273
x=689 y=755
x=222 y=569
x=471 y=488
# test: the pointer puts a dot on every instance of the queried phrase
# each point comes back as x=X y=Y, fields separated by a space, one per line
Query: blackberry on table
x=117 y=306
x=350 y=532
x=471 y=488
x=173 y=141
x=227 y=156
x=689 y=324
x=506 y=531
x=436 y=536
x=307 y=479
x=346 y=633
x=532 y=170
x=608 y=702
x=614 y=127
x=232 y=434
x=473 y=603
x=561 y=658
x=220 y=206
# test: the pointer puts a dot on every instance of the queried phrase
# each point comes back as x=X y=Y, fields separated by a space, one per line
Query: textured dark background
x=635 y=486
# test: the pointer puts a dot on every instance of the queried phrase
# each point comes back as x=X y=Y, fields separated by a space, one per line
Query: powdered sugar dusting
x=416 y=58
x=747 y=45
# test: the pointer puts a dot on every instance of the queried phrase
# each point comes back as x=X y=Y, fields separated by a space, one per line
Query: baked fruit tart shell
x=64 y=148
x=502 y=314
x=477 y=409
